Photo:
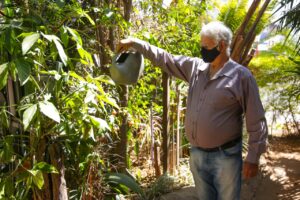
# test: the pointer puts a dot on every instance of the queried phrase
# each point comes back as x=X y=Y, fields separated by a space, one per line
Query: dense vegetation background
x=67 y=129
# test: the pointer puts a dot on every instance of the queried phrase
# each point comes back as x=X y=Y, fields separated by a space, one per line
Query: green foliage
x=29 y=41
x=63 y=103
x=161 y=186
x=45 y=167
x=289 y=18
x=277 y=73
x=175 y=29
x=49 y=110
x=122 y=183
x=273 y=66
x=234 y=12
x=48 y=47
x=29 y=115
x=3 y=75
x=122 y=180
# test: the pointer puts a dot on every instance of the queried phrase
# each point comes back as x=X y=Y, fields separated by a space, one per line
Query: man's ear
x=222 y=46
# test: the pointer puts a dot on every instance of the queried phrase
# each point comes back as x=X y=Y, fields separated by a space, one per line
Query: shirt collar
x=227 y=69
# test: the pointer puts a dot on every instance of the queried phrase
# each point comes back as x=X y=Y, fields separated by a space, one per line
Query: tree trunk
x=242 y=42
x=178 y=138
x=237 y=44
x=127 y=9
x=166 y=124
x=45 y=193
x=172 y=145
x=101 y=45
x=124 y=103
x=251 y=34
x=157 y=159
x=122 y=147
x=59 y=186
x=246 y=58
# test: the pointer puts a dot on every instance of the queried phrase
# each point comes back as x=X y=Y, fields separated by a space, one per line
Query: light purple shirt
x=215 y=107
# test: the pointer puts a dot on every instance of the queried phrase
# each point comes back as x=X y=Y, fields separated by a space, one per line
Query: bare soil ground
x=279 y=177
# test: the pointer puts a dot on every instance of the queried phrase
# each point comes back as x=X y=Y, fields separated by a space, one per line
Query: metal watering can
x=127 y=67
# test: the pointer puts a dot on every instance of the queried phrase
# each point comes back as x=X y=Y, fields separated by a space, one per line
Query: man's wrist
x=252 y=158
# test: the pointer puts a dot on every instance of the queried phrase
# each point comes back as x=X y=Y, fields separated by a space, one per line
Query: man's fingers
x=250 y=170
x=253 y=172
x=119 y=49
x=124 y=45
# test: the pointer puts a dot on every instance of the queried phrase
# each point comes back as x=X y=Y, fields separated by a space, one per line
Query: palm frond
x=289 y=19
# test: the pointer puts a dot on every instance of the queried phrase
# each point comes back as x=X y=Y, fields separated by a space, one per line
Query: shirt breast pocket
x=222 y=98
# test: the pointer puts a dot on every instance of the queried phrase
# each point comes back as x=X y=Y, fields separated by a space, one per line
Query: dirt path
x=279 y=177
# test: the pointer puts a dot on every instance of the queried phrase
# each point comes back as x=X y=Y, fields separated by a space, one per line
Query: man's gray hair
x=218 y=31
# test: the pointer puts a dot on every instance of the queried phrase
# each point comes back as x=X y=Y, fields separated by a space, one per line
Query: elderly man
x=221 y=92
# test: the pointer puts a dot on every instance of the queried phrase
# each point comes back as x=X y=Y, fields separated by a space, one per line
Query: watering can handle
x=122 y=57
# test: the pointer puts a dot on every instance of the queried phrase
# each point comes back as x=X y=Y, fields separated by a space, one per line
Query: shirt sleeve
x=179 y=66
x=255 y=120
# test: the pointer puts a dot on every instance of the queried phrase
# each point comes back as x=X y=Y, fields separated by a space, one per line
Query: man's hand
x=250 y=170
x=124 y=45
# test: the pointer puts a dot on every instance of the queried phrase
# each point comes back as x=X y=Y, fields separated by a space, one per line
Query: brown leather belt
x=223 y=146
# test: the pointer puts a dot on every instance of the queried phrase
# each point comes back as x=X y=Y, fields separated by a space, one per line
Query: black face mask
x=209 y=56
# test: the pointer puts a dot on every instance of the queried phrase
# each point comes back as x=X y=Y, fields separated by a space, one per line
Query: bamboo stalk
x=247 y=48
x=178 y=125
x=40 y=156
x=124 y=92
x=241 y=29
x=238 y=48
x=157 y=159
x=11 y=97
x=258 y=18
x=251 y=34
x=249 y=58
x=59 y=186
x=166 y=122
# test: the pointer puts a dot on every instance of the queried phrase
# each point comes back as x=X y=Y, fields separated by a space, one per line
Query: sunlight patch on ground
x=278 y=155
x=281 y=165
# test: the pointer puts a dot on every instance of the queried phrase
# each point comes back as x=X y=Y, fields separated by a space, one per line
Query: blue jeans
x=217 y=175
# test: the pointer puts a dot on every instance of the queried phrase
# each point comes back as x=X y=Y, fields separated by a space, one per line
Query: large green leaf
x=29 y=41
x=50 y=38
x=38 y=178
x=3 y=75
x=59 y=47
x=99 y=123
x=75 y=35
x=24 y=69
x=49 y=110
x=124 y=180
x=29 y=115
x=85 y=55
x=83 y=13
x=74 y=75
x=109 y=100
x=105 y=79
x=61 y=52
x=2 y=190
x=64 y=36
x=45 y=167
